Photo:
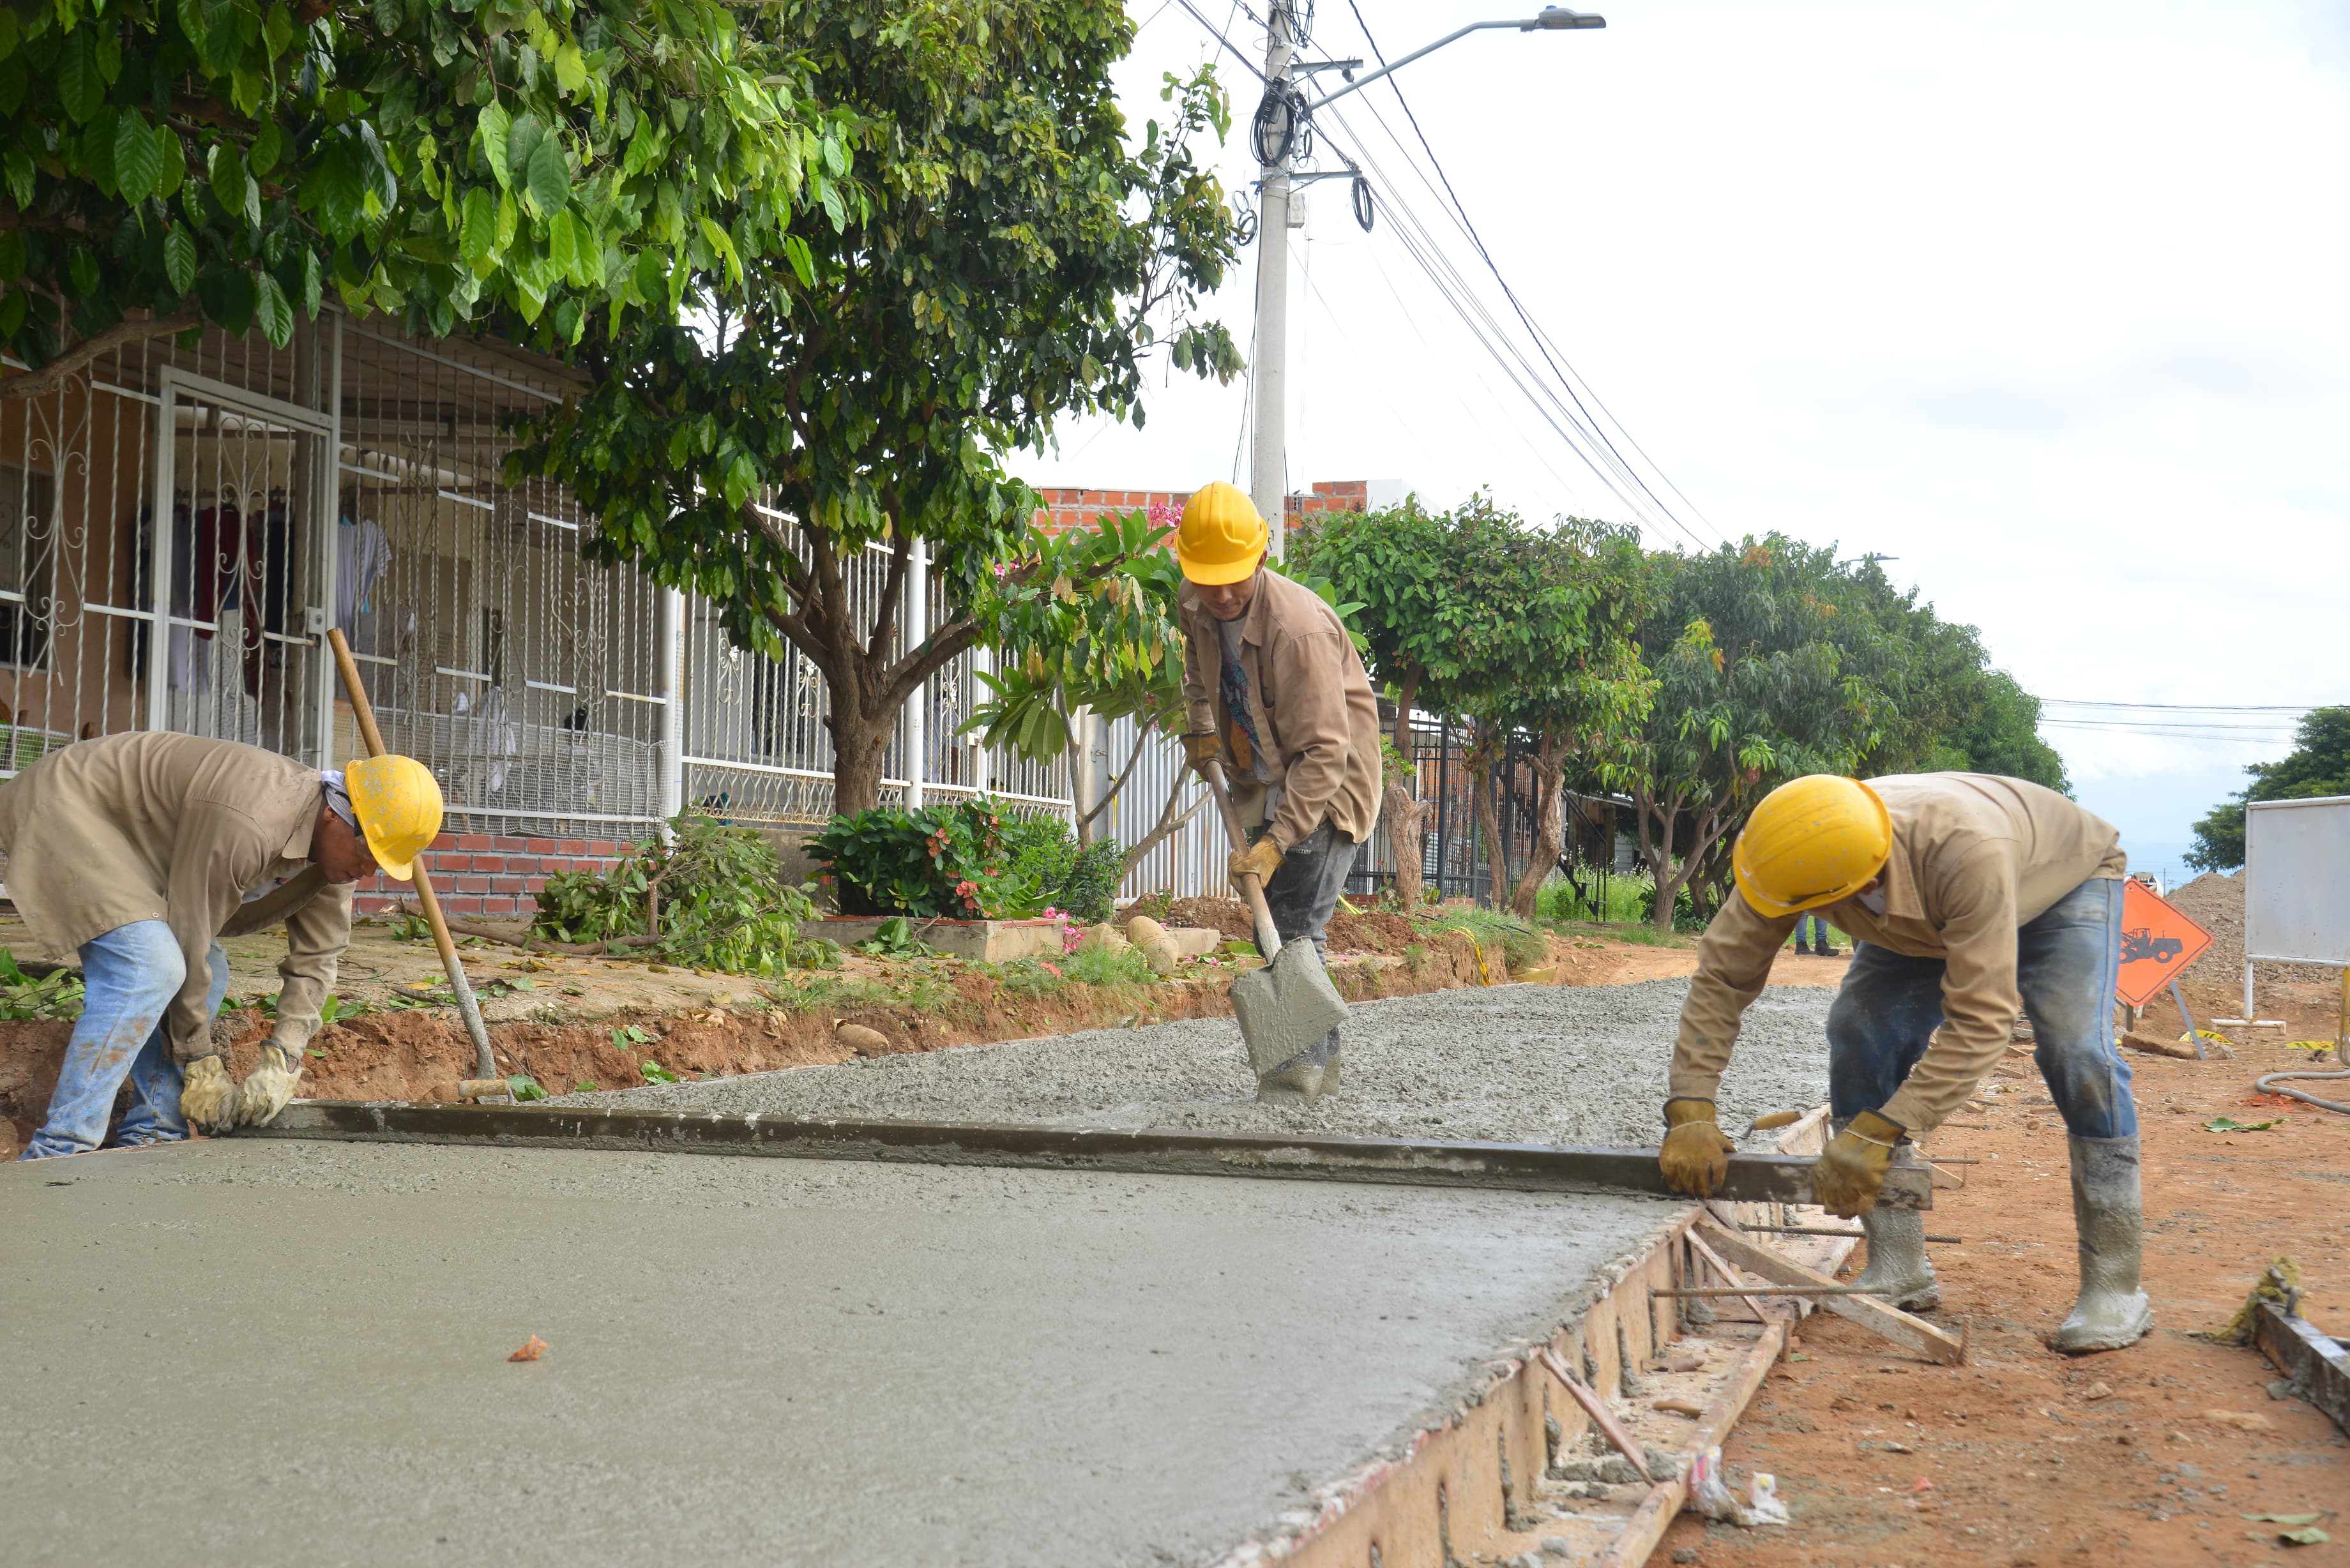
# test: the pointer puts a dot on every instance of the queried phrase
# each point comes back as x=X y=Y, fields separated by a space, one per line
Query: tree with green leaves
x=2318 y=765
x=532 y=166
x=2000 y=735
x=1578 y=698
x=1760 y=676
x=1087 y=623
x=1012 y=256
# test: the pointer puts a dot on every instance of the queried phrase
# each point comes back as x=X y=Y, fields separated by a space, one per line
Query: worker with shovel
x=1970 y=898
x=138 y=852
x=1278 y=697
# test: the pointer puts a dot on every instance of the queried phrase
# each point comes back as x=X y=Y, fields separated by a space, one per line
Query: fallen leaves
x=2230 y=1124
x=532 y=1349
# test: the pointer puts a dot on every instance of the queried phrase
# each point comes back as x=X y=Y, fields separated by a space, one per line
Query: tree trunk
x=1406 y=845
x=1489 y=828
x=1657 y=852
x=1550 y=829
x=861 y=743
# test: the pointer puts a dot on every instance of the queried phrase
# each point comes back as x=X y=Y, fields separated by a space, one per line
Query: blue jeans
x=1889 y=1005
x=1818 y=927
x=130 y=976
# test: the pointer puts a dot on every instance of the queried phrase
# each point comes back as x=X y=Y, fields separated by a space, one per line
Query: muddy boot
x=2112 y=1311
x=1295 y=1083
x=1897 y=1264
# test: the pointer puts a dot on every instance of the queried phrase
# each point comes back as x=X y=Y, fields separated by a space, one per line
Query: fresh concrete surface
x=1520 y=1063
x=295 y=1353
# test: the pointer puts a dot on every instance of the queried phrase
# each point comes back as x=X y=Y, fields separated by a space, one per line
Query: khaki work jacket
x=1309 y=701
x=1975 y=859
x=157 y=826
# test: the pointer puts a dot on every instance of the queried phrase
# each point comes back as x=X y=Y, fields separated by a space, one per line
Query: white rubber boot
x=2112 y=1311
x=1897 y=1264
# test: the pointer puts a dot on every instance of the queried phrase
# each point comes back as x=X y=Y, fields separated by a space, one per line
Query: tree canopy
x=531 y=166
x=1010 y=256
x=2318 y=765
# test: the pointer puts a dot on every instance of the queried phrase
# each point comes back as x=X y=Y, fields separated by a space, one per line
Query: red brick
x=471 y=884
x=489 y=862
x=510 y=884
x=603 y=846
x=541 y=845
x=574 y=846
x=472 y=841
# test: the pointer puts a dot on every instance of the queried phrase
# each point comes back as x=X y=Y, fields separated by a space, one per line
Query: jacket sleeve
x=218 y=854
x=1309 y=674
x=317 y=932
x=1733 y=964
x=1978 y=996
x=1199 y=688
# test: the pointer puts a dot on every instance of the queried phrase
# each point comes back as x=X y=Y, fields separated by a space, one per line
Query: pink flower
x=1165 y=514
x=1051 y=968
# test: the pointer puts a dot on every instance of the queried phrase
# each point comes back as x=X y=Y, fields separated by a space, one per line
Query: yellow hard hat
x=1222 y=539
x=399 y=808
x=1813 y=841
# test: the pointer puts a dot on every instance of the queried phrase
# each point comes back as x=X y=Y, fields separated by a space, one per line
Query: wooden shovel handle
x=1268 y=939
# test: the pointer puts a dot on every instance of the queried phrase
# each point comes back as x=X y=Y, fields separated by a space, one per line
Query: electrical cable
x=1541 y=340
x=2184 y=707
x=1227 y=43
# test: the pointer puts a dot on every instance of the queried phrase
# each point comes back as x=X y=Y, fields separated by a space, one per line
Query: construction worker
x=1969 y=897
x=139 y=852
x=1277 y=693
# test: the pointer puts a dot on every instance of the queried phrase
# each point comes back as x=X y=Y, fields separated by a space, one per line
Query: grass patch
x=1521 y=945
x=920 y=988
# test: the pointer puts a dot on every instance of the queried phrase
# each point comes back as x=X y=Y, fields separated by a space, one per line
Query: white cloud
x=2045 y=301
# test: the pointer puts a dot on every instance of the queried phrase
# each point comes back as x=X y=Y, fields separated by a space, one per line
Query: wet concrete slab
x=288 y=1352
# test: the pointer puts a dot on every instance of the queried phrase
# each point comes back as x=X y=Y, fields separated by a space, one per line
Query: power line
x=1227 y=43
x=1542 y=341
x=2182 y=707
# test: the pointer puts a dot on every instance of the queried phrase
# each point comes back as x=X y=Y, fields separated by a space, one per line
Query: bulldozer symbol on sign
x=2142 y=944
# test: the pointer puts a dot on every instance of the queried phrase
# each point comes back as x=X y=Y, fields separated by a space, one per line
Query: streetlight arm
x=1552 y=17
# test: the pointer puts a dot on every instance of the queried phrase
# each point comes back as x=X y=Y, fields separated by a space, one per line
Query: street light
x=1283 y=124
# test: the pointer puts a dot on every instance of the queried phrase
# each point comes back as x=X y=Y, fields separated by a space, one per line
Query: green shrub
x=940 y=861
x=56 y=995
x=1521 y=945
x=1623 y=899
x=716 y=890
x=1079 y=882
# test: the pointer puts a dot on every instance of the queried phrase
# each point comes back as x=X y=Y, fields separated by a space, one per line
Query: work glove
x=207 y=1099
x=1696 y=1156
x=1258 y=860
x=1850 y=1173
x=269 y=1085
x=1201 y=750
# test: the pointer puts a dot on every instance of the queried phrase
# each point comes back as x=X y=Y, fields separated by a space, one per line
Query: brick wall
x=497 y=877
x=1073 y=507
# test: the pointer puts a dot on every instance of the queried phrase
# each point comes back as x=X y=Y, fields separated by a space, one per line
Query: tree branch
x=1168 y=823
x=1117 y=784
x=49 y=377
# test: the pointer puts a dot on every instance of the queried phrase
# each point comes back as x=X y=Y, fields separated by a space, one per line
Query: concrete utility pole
x=1278 y=133
x=1268 y=469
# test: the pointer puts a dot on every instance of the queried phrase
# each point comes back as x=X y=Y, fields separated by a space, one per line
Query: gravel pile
x=1520 y=1063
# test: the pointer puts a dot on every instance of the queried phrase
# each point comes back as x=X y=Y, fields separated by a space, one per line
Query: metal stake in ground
x=487 y=1082
x=1286 y=1006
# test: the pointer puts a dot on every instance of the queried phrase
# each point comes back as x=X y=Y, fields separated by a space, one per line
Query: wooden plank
x=1649 y=1522
x=1912 y=1332
x=2314 y=1363
x=1596 y=1408
x=1729 y=1275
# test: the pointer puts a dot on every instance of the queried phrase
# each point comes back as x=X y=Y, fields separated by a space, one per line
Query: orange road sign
x=2157 y=943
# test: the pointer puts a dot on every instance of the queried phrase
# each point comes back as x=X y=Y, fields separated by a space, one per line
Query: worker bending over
x=1277 y=693
x=1969 y=897
x=138 y=852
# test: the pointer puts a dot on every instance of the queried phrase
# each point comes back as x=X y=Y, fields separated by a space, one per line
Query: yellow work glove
x=269 y=1085
x=1258 y=860
x=207 y=1099
x=1696 y=1156
x=1201 y=750
x=1850 y=1173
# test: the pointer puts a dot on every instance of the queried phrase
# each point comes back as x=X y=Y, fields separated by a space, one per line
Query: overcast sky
x=2047 y=302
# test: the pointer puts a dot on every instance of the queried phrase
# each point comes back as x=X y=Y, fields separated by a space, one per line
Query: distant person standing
x=1820 y=943
x=1277 y=693
x=1973 y=897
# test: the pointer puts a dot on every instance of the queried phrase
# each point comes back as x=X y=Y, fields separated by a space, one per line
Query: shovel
x=1290 y=1004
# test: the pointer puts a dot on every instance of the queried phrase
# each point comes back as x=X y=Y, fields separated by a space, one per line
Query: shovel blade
x=1285 y=1006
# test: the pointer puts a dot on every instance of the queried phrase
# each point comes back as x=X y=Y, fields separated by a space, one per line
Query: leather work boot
x=1295 y=1083
x=2112 y=1311
x=1804 y=948
x=1330 y=1072
x=1897 y=1264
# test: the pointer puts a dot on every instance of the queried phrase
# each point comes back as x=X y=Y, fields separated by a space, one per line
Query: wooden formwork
x=1471 y=1488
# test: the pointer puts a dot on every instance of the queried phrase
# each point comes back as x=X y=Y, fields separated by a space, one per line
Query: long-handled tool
x=1290 y=1004
x=486 y=1083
